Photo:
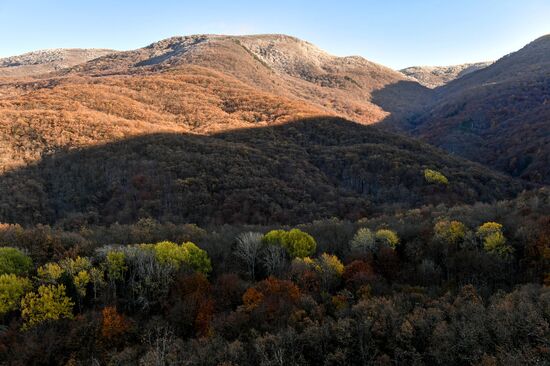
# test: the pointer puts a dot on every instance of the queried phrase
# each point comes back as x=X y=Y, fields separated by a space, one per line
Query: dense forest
x=288 y=174
x=435 y=285
x=497 y=116
x=226 y=201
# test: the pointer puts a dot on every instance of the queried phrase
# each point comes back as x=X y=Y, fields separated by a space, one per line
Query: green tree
x=330 y=263
x=174 y=255
x=433 y=176
x=196 y=258
x=488 y=228
x=496 y=243
x=97 y=279
x=12 y=288
x=388 y=237
x=115 y=265
x=297 y=243
x=13 y=260
x=49 y=303
x=275 y=237
x=167 y=252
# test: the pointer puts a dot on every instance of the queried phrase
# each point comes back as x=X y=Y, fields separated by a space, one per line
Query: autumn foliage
x=113 y=324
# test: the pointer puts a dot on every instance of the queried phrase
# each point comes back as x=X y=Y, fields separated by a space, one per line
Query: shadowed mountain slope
x=294 y=172
x=498 y=116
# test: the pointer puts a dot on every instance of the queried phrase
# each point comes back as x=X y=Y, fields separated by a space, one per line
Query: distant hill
x=353 y=87
x=45 y=61
x=498 y=116
x=434 y=76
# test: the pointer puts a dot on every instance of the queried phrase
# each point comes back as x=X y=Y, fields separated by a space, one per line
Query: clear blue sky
x=396 y=33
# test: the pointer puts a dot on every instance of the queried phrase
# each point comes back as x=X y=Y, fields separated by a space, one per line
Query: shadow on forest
x=403 y=100
x=295 y=172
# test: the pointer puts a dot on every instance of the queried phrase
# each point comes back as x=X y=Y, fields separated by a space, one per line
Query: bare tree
x=248 y=248
x=159 y=341
x=274 y=259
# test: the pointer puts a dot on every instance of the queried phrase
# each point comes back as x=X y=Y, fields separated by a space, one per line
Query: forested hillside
x=253 y=200
x=290 y=173
x=432 y=286
x=498 y=116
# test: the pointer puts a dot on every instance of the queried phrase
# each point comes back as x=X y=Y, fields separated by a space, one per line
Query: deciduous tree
x=50 y=302
x=12 y=288
x=13 y=260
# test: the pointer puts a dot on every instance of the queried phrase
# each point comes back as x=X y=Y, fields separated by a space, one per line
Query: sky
x=396 y=33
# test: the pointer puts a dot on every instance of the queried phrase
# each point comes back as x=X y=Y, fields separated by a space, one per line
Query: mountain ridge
x=48 y=60
x=307 y=80
x=498 y=116
x=435 y=76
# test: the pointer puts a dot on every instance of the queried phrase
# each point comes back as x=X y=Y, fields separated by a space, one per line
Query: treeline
x=449 y=286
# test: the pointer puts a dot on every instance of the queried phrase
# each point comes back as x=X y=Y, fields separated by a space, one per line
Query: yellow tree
x=493 y=239
x=12 y=288
x=388 y=237
x=50 y=302
x=451 y=232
